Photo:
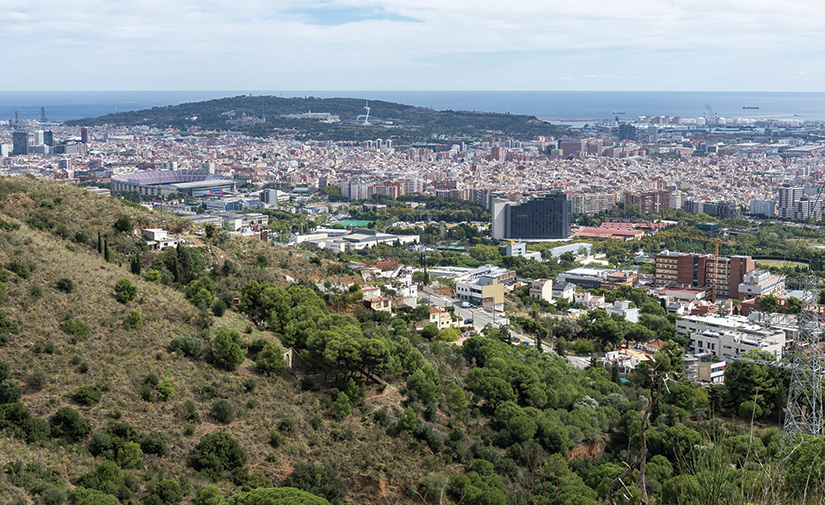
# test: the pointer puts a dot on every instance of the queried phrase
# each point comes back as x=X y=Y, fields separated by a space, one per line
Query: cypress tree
x=107 y=255
x=136 y=264
x=99 y=244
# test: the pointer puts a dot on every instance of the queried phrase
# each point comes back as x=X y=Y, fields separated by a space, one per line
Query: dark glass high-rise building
x=546 y=217
x=20 y=143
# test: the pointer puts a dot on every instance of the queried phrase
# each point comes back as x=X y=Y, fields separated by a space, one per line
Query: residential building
x=625 y=309
x=729 y=345
x=702 y=270
x=591 y=203
x=564 y=290
x=713 y=372
x=727 y=337
x=442 y=319
x=617 y=279
x=587 y=278
x=542 y=289
x=764 y=208
x=759 y=283
x=788 y=198
x=649 y=201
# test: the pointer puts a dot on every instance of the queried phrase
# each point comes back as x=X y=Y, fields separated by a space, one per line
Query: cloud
x=803 y=73
x=329 y=44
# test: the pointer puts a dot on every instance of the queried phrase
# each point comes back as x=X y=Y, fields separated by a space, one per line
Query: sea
x=562 y=106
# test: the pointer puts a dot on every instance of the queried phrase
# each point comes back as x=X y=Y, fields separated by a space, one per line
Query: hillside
x=169 y=386
x=403 y=123
x=116 y=359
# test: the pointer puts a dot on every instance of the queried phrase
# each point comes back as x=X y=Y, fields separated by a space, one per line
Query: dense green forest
x=134 y=377
x=404 y=123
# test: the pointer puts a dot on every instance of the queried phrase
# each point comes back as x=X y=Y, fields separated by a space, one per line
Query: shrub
x=218 y=308
x=750 y=410
x=134 y=319
x=223 y=411
x=101 y=444
x=166 y=389
x=10 y=392
x=123 y=224
x=152 y=276
x=81 y=237
x=210 y=495
x=53 y=496
x=65 y=285
x=36 y=430
x=275 y=440
x=37 y=379
x=66 y=422
x=270 y=360
x=320 y=481
x=125 y=291
x=187 y=346
x=249 y=384
x=342 y=406
x=130 y=456
x=146 y=392
x=87 y=395
x=168 y=491
x=22 y=268
x=276 y=496
x=76 y=328
x=228 y=349
x=307 y=384
x=191 y=412
x=315 y=422
x=286 y=425
x=217 y=453
x=154 y=443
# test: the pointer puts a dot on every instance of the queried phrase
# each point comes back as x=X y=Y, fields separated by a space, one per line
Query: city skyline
x=650 y=45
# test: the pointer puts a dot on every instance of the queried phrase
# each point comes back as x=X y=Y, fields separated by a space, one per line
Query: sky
x=644 y=45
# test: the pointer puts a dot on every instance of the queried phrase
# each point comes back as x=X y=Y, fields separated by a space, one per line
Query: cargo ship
x=753 y=107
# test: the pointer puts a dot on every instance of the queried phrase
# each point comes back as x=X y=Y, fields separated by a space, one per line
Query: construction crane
x=716 y=241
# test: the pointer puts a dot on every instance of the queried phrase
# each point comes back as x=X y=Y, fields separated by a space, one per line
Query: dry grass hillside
x=116 y=358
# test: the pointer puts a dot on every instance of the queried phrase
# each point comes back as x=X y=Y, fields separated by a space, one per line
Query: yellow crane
x=716 y=241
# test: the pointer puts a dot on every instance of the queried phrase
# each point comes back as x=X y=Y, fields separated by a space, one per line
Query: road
x=480 y=317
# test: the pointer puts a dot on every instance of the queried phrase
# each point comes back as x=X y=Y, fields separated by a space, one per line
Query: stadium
x=165 y=183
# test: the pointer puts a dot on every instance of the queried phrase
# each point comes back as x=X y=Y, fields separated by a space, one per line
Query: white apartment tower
x=788 y=198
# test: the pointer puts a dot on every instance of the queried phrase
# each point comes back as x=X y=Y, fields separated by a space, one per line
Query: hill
x=129 y=376
x=403 y=123
x=70 y=340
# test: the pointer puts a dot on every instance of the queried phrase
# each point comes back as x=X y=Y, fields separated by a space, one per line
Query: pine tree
x=136 y=264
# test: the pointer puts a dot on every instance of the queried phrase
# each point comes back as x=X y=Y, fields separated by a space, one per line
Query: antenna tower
x=803 y=412
x=367 y=116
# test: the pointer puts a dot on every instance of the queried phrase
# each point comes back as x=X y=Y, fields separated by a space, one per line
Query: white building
x=623 y=308
x=759 y=283
x=542 y=289
x=727 y=337
x=731 y=344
